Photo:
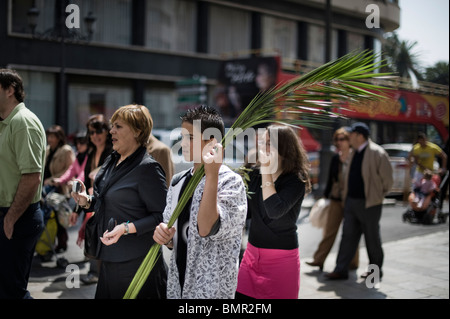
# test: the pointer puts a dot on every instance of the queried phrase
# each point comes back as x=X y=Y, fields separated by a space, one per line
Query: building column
x=256 y=31
x=139 y=18
x=202 y=26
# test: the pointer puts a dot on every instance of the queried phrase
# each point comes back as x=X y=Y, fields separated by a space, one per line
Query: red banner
x=406 y=106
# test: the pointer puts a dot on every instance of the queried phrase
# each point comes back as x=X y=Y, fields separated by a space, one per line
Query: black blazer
x=134 y=191
x=333 y=175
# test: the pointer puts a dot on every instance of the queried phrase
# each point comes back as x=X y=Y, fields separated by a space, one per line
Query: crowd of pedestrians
x=128 y=192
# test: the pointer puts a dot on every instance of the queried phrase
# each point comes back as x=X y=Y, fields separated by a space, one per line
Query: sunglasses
x=97 y=131
x=81 y=141
x=341 y=139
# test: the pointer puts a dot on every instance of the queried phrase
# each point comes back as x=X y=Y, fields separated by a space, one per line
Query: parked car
x=398 y=155
x=402 y=171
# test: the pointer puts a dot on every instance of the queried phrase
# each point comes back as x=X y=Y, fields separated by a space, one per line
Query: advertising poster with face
x=240 y=80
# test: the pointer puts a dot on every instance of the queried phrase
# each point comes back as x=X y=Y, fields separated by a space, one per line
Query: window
x=45 y=20
x=232 y=38
x=171 y=25
x=355 y=41
x=40 y=95
x=162 y=104
x=113 y=24
x=316 y=43
x=280 y=34
x=113 y=18
x=88 y=99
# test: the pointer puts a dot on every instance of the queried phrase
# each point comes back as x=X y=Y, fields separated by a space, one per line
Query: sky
x=427 y=22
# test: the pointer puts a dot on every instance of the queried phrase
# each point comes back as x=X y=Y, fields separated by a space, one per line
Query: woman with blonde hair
x=128 y=200
x=270 y=268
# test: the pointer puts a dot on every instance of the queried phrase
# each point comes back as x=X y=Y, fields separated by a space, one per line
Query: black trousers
x=115 y=278
x=359 y=220
x=17 y=252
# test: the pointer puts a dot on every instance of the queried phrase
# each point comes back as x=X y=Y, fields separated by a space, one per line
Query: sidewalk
x=414 y=268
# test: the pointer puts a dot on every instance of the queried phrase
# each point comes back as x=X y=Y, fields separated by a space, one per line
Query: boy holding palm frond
x=206 y=238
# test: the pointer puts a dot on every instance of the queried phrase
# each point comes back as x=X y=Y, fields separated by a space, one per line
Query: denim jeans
x=17 y=252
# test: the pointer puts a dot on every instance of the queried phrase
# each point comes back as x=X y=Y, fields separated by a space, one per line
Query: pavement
x=414 y=268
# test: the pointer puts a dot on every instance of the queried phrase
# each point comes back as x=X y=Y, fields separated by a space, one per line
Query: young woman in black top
x=270 y=267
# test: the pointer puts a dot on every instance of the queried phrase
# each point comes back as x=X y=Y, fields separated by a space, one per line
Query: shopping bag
x=318 y=213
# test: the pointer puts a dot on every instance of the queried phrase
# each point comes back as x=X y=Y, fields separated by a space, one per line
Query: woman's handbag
x=318 y=213
x=92 y=237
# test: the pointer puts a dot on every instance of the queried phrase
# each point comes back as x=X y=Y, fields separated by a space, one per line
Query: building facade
x=140 y=50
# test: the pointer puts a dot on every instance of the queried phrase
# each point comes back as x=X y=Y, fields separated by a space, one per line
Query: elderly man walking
x=369 y=179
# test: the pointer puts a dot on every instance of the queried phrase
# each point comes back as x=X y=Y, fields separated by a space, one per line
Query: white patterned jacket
x=213 y=261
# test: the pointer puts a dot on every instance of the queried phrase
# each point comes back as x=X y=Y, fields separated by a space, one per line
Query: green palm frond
x=308 y=100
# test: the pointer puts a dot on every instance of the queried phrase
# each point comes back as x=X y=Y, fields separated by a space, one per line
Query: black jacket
x=134 y=191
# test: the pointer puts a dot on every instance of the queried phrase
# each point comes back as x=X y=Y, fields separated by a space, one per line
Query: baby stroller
x=55 y=206
x=427 y=209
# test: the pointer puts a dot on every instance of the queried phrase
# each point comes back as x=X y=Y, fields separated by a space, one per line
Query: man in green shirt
x=22 y=156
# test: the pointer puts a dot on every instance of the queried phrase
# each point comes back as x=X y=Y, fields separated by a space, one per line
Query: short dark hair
x=421 y=135
x=58 y=131
x=10 y=78
x=209 y=117
x=98 y=121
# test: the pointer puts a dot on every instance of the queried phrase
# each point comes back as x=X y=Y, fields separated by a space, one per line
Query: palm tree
x=400 y=57
x=438 y=73
x=308 y=100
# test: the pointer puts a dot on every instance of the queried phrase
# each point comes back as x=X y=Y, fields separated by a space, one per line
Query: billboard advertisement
x=240 y=80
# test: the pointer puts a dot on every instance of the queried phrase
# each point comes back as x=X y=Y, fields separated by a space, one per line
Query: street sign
x=192 y=91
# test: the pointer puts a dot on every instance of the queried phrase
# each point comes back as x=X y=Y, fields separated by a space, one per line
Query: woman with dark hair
x=270 y=268
x=99 y=148
x=59 y=157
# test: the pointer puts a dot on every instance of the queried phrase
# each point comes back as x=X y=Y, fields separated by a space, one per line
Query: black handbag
x=92 y=242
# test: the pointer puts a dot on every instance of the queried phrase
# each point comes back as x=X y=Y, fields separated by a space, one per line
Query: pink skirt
x=269 y=273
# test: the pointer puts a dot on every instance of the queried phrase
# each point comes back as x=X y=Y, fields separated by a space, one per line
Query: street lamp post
x=60 y=32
